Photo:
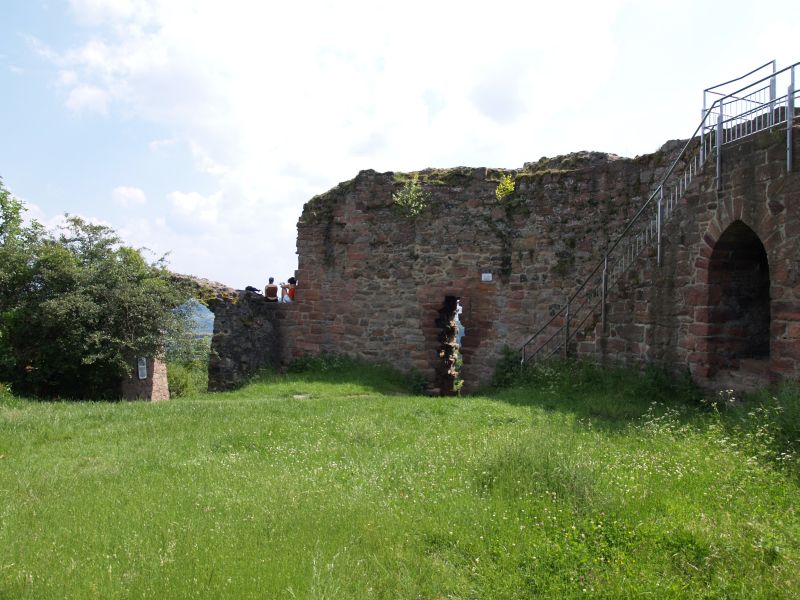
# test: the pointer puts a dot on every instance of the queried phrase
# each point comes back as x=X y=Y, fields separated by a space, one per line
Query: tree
x=77 y=306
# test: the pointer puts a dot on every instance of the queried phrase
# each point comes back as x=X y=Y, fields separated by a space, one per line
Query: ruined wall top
x=210 y=293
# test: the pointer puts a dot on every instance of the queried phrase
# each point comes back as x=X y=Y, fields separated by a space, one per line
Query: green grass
x=336 y=485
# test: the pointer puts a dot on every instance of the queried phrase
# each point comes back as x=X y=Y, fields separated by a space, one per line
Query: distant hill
x=202 y=317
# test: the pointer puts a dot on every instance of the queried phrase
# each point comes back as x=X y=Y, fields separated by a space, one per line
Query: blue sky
x=199 y=127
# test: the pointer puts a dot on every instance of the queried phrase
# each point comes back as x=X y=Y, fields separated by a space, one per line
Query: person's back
x=271 y=291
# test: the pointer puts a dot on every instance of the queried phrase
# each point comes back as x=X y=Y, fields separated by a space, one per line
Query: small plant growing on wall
x=411 y=200
x=505 y=188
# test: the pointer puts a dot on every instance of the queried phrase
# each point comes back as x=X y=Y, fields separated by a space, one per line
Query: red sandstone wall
x=371 y=281
x=676 y=315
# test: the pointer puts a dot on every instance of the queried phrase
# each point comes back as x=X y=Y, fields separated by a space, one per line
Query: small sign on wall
x=142 y=367
x=486 y=277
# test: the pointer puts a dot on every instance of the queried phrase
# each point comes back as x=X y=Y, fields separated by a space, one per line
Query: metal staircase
x=730 y=117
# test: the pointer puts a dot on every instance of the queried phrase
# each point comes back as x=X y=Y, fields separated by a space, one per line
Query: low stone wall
x=248 y=332
x=248 y=336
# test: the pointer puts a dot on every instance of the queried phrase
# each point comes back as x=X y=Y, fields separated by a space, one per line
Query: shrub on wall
x=411 y=200
x=505 y=188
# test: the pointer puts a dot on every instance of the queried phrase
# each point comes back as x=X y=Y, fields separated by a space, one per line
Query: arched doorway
x=739 y=300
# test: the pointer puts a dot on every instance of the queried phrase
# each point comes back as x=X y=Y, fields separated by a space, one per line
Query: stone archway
x=738 y=300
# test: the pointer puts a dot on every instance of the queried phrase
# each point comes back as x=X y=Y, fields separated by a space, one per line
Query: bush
x=411 y=200
x=417 y=383
x=77 y=306
x=509 y=369
x=186 y=379
x=768 y=422
x=505 y=188
x=178 y=380
x=569 y=376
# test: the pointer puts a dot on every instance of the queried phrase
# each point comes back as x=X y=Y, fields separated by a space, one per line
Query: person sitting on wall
x=288 y=290
x=271 y=291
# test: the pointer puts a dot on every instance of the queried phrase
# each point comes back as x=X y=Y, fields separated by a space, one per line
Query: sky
x=199 y=128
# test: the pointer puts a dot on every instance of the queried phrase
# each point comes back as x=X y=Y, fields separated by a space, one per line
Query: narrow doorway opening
x=739 y=300
x=460 y=333
x=188 y=350
x=449 y=356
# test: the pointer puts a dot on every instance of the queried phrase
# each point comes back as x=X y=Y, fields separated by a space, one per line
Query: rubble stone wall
x=373 y=281
x=249 y=332
x=247 y=337
x=701 y=310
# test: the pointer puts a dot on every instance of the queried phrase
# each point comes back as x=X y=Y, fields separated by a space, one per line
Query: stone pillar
x=147 y=381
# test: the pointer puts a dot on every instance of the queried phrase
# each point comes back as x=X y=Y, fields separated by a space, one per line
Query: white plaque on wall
x=486 y=276
x=142 y=365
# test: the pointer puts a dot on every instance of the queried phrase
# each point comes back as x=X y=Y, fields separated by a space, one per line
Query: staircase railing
x=730 y=117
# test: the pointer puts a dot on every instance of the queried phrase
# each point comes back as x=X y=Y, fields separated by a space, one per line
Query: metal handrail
x=697 y=160
x=754 y=110
x=627 y=228
x=766 y=64
x=768 y=77
x=749 y=98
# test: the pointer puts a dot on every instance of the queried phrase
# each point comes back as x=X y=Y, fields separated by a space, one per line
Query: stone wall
x=372 y=282
x=379 y=285
x=248 y=332
x=247 y=338
x=729 y=288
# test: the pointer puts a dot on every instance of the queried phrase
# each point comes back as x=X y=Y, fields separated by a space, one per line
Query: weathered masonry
x=372 y=282
x=724 y=298
x=248 y=333
x=708 y=285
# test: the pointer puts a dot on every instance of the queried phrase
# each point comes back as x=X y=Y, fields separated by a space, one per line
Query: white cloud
x=279 y=101
x=126 y=196
x=67 y=77
x=88 y=98
x=160 y=145
x=195 y=207
x=95 y=12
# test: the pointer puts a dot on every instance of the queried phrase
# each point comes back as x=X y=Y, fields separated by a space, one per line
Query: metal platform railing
x=731 y=117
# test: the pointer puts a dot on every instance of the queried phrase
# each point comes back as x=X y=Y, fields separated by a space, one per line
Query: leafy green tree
x=77 y=306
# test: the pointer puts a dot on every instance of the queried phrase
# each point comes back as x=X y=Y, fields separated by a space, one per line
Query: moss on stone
x=436 y=177
x=319 y=209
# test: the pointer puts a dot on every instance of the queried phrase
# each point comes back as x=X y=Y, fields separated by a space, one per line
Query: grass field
x=334 y=484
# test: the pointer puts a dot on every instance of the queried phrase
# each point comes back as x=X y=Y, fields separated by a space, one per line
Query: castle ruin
x=717 y=294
